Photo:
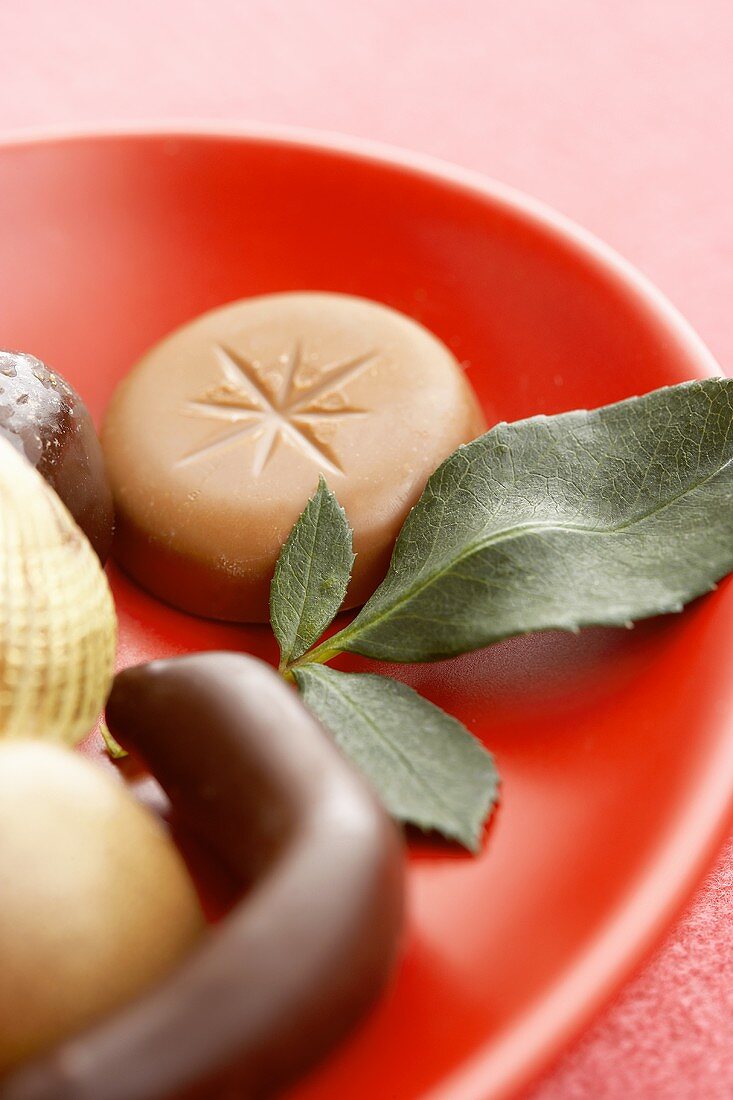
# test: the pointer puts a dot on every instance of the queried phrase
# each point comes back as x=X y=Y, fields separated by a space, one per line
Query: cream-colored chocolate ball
x=95 y=901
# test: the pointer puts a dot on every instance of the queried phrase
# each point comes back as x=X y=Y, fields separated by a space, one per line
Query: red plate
x=616 y=747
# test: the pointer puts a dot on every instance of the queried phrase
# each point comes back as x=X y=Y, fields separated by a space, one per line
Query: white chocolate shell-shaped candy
x=57 y=619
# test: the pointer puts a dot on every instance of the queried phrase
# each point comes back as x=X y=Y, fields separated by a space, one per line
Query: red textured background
x=618 y=112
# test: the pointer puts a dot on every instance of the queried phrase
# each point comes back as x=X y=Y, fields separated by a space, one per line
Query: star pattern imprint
x=271 y=413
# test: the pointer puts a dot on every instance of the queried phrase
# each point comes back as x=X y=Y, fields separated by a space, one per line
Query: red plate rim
x=513 y=1060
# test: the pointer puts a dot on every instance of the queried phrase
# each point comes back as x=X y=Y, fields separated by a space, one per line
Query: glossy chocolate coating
x=47 y=421
x=215 y=442
x=309 y=947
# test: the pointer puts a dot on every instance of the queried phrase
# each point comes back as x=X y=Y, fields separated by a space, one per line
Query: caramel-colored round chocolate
x=215 y=442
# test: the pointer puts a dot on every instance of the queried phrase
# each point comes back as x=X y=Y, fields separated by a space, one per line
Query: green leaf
x=560 y=522
x=424 y=765
x=311 y=575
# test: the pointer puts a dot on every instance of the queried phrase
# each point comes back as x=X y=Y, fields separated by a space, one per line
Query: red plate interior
x=616 y=747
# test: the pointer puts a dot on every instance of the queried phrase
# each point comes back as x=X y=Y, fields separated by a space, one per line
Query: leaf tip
x=474 y=844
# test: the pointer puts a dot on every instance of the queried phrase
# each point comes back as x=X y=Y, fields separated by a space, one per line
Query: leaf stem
x=320 y=654
x=114 y=749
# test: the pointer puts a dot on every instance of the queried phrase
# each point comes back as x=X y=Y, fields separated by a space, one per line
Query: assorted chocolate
x=312 y=940
x=212 y=447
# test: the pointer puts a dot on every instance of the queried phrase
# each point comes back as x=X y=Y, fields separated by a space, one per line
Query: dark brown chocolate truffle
x=47 y=421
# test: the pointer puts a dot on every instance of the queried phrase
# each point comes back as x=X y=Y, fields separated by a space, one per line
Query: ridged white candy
x=57 y=618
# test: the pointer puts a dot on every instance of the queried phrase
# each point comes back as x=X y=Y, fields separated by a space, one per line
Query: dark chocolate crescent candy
x=47 y=421
x=304 y=952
